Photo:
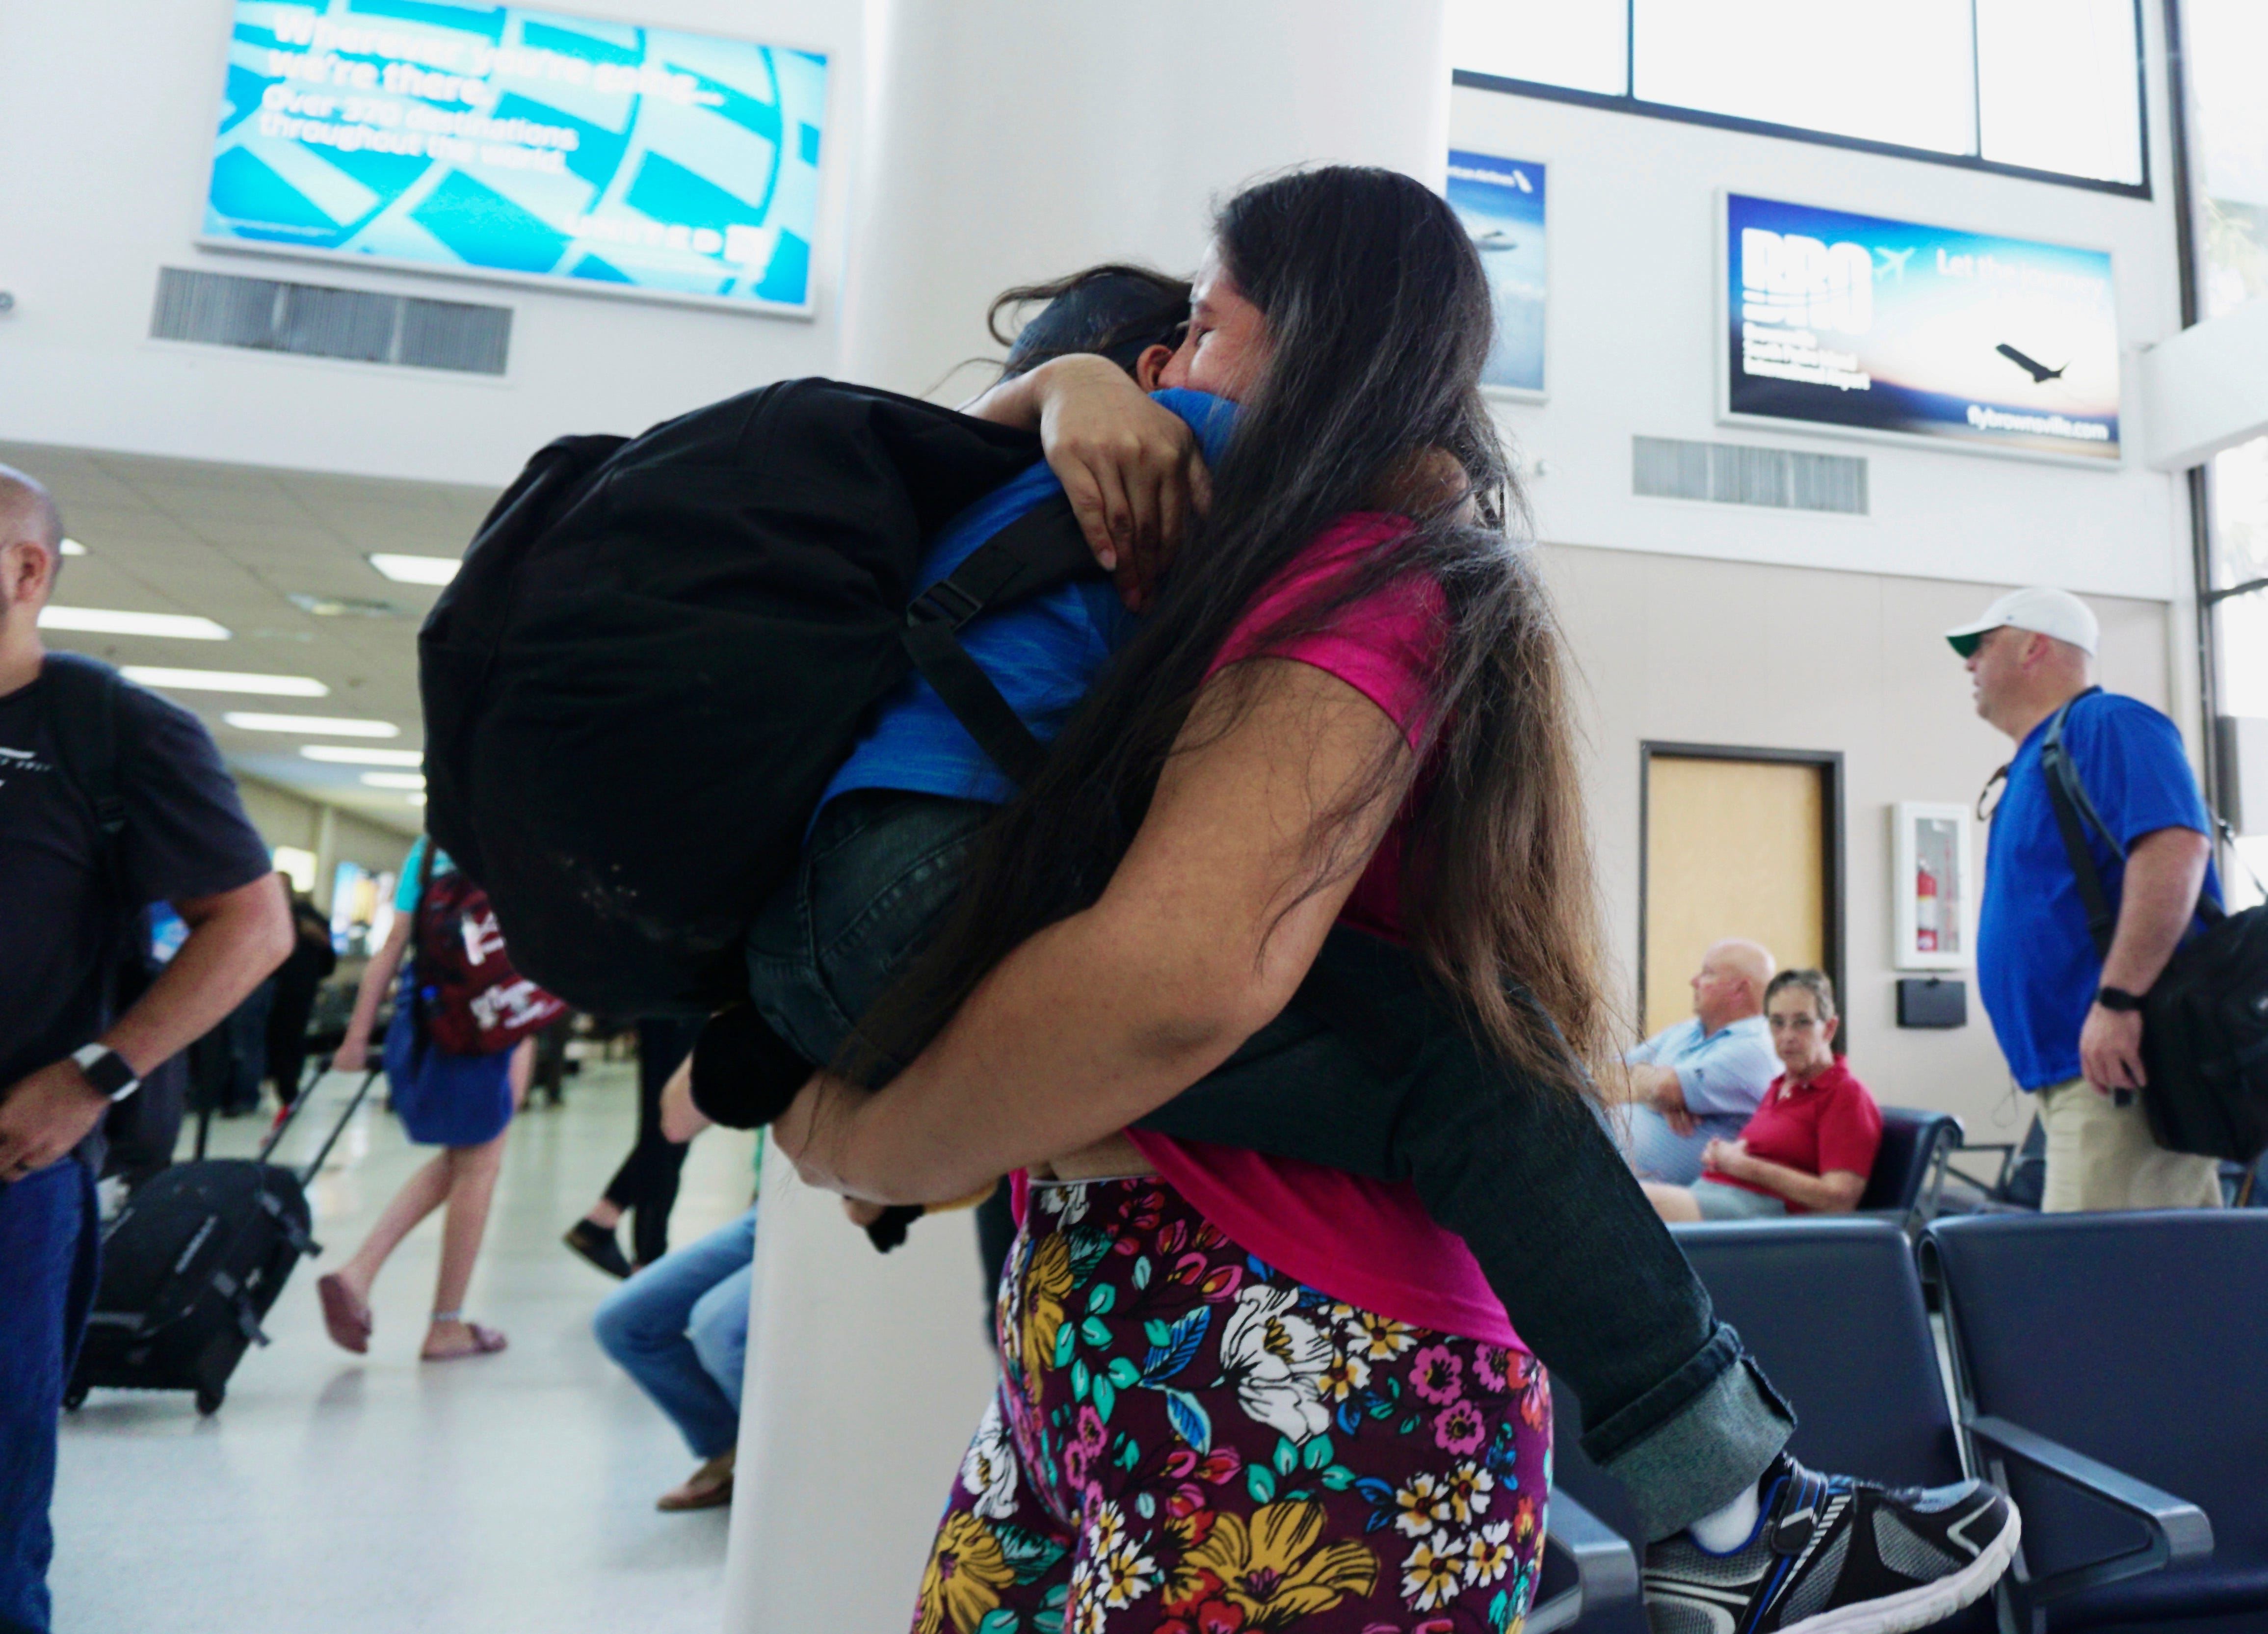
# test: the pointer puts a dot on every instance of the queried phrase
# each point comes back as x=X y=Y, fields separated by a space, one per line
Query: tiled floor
x=334 y=1494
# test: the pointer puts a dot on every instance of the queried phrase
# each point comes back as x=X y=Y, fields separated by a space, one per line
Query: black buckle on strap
x=944 y=602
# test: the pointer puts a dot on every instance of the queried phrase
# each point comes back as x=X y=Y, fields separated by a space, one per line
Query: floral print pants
x=1186 y=1441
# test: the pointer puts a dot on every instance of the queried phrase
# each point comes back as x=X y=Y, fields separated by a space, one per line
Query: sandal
x=709 y=1487
x=486 y=1342
x=345 y=1317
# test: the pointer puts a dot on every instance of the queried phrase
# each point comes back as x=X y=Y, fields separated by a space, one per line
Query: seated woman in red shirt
x=1811 y=1144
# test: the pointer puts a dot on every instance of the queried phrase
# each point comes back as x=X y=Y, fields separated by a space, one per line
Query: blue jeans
x=1671 y=1406
x=48 y=1255
x=1657 y=1151
x=877 y=876
x=680 y=1328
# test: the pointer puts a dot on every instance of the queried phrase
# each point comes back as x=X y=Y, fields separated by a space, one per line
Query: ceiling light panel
x=405 y=570
x=346 y=755
x=345 y=607
x=395 y=779
x=226 y=681
x=73 y=548
x=314 y=725
x=116 y=622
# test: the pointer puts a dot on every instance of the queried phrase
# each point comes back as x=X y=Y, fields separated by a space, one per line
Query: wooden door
x=1738 y=843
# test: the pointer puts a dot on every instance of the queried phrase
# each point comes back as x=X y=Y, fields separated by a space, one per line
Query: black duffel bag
x=659 y=649
x=2204 y=1020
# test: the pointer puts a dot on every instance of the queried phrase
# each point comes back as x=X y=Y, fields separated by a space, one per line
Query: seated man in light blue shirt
x=1702 y=1079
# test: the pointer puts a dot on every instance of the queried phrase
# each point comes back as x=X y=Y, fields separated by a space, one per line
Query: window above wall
x=2050 y=89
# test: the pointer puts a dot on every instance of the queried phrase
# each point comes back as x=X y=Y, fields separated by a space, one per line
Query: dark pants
x=143 y=1129
x=227 y=1063
x=550 y=1077
x=1372 y=1072
x=647 y=1181
x=286 y=1029
x=47 y=1247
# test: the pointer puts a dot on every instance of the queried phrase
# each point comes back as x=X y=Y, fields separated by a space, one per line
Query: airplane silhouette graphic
x=1894 y=261
x=2040 y=373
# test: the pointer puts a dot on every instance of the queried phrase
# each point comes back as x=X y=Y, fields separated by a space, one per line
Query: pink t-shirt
x=1366 y=1241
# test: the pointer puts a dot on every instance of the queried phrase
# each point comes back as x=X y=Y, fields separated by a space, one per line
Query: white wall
x=1671 y=649
x=334 y=835
x=1732 y=624
x=106 y=116
x=1636 y=319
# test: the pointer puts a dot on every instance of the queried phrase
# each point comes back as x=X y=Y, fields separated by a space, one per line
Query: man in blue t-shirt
x=2069 y=1021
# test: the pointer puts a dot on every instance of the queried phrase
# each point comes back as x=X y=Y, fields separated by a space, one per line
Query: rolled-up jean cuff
x=1680 y=1460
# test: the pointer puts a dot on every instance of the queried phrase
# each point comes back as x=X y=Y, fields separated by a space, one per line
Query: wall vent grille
x=314 y=320
x=1733 y=474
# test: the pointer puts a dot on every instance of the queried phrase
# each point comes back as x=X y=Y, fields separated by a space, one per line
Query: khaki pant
x=2101 y=1156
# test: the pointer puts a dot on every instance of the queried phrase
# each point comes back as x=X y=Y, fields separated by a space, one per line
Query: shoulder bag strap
x=2069 y=798
x=1040 y=550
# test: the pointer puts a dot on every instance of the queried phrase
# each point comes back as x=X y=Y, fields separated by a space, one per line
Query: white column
x=327 y=853
x=1006 y=141
x=1016 y=139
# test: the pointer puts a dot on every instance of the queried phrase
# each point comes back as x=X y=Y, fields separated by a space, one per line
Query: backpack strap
x=82 y=709
x=1038 y=551
x=420 y=918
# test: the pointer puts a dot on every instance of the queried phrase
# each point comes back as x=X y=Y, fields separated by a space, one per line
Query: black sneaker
x=1835 y=1556
x=597 y=1243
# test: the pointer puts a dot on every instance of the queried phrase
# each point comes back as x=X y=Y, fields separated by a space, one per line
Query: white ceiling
x=234 y=543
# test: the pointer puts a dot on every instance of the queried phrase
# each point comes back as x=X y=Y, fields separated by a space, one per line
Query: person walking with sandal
x=458 y=1058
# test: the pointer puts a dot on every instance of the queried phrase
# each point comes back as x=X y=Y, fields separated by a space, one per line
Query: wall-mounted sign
x=1500 y=201
x=498 y=142
x=1855 y=323
x=1931 y=897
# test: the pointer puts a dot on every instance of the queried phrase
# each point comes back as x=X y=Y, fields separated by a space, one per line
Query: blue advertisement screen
x=1500 y=201
x=1837 y=320
x=490 y=140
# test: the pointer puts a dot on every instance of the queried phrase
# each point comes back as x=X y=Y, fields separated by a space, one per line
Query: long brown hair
x=1379 y=320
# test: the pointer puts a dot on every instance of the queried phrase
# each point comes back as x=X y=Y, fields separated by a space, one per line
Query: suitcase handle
x=284 y=1122
x=314 y=1164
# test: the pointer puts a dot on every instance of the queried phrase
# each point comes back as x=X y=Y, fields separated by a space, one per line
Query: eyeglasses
x=1988 y=798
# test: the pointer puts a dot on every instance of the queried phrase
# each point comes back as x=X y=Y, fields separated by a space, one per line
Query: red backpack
x=470 y=1001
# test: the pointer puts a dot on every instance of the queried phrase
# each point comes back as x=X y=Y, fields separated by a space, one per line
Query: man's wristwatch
x=2117 y=998
x=107 y=1070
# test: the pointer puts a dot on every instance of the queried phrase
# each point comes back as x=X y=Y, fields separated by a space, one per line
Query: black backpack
x=2204 y=1020
x=659 y=650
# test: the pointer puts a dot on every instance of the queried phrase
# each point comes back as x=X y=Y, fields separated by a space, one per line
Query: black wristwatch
x=2117 y=998
x=107 y=1070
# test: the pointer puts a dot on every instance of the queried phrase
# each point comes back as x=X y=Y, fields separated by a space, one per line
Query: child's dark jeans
x=1370 y=1072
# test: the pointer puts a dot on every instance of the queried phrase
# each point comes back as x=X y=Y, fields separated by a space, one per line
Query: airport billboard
x=1500 y=201
x=493 y=142
x=1860 y=324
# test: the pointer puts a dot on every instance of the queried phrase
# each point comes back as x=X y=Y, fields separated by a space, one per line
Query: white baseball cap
x=2055 y=613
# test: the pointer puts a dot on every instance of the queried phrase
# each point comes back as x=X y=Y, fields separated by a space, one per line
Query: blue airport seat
x=1590 y=1578
x=1832 y=1306
x=2115 y=1367
x=1910 y=1166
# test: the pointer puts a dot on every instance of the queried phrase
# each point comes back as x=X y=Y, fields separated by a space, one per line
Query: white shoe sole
x=1929 y=1602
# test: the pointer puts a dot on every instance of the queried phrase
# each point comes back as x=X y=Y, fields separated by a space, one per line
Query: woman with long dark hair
x=1240 y=1390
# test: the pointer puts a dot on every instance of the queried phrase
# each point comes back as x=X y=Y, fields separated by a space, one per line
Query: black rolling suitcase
x=192 y=1264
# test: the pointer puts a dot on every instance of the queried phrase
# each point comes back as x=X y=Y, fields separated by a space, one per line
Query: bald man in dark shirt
x=67 y=895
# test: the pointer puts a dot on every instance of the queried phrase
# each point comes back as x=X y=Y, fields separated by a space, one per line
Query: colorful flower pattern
x=1186 y=1441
